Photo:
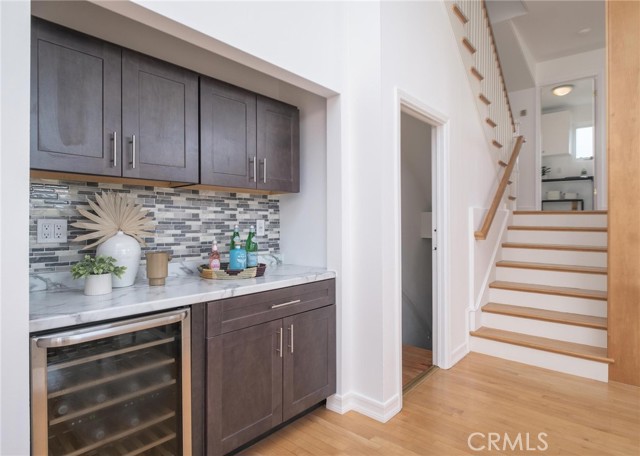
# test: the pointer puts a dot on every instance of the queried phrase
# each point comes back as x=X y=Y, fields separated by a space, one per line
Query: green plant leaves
x=101 y=264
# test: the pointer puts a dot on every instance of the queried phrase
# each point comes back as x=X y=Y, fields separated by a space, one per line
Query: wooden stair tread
x=491 y=122
x=458 y=12
x=484 y=99
x=571 y=248
x=503 y=164
x=467 y=44
x=550 y=290
x=477 y=74
x=532 y=313
x=541 y=343
x=558 y=212
x=496 y=144
x=585 y=229
x=552 y=267
x=512 y=198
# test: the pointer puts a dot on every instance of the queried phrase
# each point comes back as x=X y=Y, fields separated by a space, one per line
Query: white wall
x=14 y=227
x=528 y=170
x=416 y=251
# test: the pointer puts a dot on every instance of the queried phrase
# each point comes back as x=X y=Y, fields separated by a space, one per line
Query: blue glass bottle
x=238 y=258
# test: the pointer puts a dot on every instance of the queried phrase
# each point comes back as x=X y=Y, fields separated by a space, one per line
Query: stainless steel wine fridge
x=120 y=388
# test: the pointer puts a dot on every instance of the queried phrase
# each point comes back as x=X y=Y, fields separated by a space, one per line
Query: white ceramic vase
x=126 y=250
x=95 y=285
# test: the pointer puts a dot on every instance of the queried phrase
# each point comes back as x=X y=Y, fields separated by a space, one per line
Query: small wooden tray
x=225 y=274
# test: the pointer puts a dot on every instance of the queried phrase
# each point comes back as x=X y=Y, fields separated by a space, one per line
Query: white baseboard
x=459 y=353
x=379 y=411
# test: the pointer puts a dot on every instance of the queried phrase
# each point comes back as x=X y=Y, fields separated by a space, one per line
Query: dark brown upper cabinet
x=227 y=135
x=278 y=146
x=75 y=102
x=99 y=109
x=246 y=140
x=159 y=119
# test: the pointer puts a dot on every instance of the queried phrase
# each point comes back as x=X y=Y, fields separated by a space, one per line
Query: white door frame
x=440 y=178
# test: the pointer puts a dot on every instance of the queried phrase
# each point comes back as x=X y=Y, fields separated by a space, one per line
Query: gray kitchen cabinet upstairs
x=99 y=109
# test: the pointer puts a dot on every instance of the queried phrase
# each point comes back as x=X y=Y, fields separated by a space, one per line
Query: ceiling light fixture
x=562 y=90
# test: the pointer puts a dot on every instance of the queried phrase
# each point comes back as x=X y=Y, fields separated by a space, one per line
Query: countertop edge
x=55 y=322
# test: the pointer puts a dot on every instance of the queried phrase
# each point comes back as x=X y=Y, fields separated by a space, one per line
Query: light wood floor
x=480 y=394
x=415 y=361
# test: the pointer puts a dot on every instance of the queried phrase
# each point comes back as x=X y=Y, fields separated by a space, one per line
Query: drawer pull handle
x=279 y=350
x=285 y=304
x=291 y=338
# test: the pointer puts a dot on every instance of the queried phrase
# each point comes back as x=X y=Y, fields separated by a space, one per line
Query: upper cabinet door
x=75 y=102
x=278 y=146
x=227 y=135
x=159 y=119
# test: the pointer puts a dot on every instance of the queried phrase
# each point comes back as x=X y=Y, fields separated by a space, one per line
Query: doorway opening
x=417 y=246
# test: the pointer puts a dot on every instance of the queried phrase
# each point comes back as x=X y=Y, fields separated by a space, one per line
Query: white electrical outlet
x=260 y=227
x=52 y=231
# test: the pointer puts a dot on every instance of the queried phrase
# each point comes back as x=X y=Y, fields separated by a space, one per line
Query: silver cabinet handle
x=79 y=336
x=264 y=171
x=279 y=350
x=115 y=149
x=285 y=304
x=255 y=168
x=133 y=151
x=291 y=338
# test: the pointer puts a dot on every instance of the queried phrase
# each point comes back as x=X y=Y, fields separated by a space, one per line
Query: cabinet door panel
x=244 y=386
x=309 y=373
x=160 y=107
x=227 y=135
x=75 y=109
x=278 y=146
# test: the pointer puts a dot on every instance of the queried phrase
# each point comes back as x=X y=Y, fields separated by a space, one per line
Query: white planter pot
x=97 y=284
x=126 y=250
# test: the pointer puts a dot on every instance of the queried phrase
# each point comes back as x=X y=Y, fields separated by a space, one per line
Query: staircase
x=548 y=304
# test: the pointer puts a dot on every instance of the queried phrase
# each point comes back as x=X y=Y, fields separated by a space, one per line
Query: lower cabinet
x=261 y=375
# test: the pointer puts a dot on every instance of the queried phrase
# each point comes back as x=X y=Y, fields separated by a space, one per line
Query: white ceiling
x=582 y=94
x=546 y=29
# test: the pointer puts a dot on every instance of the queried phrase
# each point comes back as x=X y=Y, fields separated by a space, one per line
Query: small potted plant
x=98 y=273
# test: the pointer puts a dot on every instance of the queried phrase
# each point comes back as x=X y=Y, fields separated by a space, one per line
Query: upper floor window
x=584 y=143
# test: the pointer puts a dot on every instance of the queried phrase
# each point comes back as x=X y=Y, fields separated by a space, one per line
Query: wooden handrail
x=488 y=219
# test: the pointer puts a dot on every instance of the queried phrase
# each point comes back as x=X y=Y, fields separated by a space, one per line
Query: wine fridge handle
x=79 y=336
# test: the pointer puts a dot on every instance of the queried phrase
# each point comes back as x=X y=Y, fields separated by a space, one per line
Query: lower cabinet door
x=244 y=385
x=309 y=373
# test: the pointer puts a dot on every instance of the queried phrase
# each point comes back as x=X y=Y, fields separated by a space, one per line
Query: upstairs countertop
x=571 y=178
x=62 y=306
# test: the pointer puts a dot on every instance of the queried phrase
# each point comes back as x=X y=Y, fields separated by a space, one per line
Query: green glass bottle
x=235 y=238
x=251 y=247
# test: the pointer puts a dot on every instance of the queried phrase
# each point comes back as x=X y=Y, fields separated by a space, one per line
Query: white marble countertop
x=66 y=306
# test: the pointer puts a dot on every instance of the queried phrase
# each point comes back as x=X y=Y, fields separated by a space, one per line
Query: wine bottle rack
x=150 y=433
x=115 y=396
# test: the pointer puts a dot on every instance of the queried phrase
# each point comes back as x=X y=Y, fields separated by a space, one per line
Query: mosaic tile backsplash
x=186 y=220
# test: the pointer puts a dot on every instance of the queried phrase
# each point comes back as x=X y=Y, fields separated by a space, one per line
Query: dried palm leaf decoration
x=114 y=212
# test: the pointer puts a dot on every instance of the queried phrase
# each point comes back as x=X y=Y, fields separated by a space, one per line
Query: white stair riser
x=582 y=306
x=594 y=220
x=565 y=257
x=553 y=278
x=550 y=330
x=554 y=361
x=558 y=237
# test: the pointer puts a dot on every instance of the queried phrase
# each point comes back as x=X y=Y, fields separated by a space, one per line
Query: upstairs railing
x=477 y=45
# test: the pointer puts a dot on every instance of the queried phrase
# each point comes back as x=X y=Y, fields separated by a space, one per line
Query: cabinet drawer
x=236 y=313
